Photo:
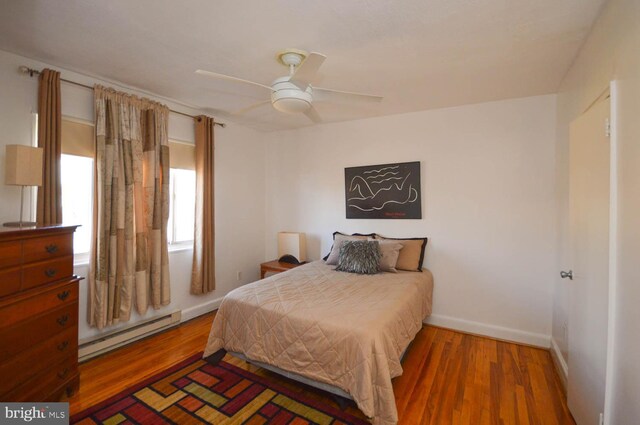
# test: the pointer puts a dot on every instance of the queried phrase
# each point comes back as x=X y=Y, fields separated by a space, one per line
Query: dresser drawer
x=46 y=271
x=43 y=248
x=38 y=358
x=29 y=307
x=15 y=339
x=42 y=387
x=10 y=253
x=9 y=281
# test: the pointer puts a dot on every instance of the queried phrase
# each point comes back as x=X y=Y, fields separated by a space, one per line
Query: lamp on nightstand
x=292 y=244
x=23 y=167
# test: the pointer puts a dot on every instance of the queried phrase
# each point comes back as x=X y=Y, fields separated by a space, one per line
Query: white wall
x=488 y=204
x=239 y=183
x=610 y=54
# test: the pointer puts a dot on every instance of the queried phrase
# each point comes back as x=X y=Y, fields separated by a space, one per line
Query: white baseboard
x=100 y=344
x=92 y=347
x=199 y=310
x=560 y=362
x=493 y=331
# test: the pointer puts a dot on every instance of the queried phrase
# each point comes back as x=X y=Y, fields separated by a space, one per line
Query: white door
x=589 y=256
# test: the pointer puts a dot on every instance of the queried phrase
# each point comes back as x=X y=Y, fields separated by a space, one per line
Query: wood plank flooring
x=449 y=377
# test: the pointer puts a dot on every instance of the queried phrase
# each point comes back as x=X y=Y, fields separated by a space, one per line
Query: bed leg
x=215 y=358
x=342 y=402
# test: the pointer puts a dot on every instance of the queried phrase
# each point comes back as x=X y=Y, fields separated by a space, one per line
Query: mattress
x=342 y=329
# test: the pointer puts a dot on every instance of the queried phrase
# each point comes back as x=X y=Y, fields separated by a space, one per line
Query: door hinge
x=607 y=127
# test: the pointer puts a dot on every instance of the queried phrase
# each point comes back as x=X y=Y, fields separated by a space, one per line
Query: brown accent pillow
x=412 y=253
x=355 y=236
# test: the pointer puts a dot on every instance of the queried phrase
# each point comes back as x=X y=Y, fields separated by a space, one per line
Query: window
x=77 y=184
x=77 y=168
x=76 y=173
x=182 y=192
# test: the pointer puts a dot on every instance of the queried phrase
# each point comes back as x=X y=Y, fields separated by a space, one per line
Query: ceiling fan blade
x=306 y=72
x=313 y=115
x=230 y=78
x=323 y=94
x=251 y=107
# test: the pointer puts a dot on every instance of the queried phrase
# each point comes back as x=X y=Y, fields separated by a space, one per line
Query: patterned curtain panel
x=49 y=204
x=129 y=256
x=203 y=276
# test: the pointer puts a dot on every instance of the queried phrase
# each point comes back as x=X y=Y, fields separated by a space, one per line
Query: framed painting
x=390 y=191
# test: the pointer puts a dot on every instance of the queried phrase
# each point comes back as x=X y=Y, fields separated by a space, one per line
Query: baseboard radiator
x=118 y=338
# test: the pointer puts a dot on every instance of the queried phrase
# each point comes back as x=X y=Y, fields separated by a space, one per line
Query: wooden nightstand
x=275 y=266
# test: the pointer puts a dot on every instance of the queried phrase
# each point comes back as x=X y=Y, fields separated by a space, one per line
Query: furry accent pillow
x=339 y=239
x=362 y=257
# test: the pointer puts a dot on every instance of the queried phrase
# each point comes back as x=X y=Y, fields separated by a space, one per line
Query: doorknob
x=568 y=274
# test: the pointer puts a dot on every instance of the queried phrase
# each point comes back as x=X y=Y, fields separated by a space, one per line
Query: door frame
x=613 y=247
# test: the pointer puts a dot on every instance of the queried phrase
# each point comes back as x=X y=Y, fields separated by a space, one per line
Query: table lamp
x=23 y=167
x=292 y=244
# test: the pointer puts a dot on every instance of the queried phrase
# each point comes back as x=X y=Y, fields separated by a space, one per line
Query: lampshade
x=23 y=165
x=292 y=243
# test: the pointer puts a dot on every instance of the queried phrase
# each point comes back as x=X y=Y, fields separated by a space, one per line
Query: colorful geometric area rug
x=195 y=392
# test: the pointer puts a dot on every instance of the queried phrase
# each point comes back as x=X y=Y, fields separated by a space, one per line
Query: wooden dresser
x=38 y=314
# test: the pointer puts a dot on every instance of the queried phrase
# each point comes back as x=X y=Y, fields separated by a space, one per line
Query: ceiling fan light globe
x=291 y=105
x=290 y=99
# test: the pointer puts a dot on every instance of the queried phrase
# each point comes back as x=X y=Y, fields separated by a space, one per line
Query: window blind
x=77 y=138
x=182 y=155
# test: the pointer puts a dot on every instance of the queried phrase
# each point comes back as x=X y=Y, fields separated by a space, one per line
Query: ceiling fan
x=294 y=93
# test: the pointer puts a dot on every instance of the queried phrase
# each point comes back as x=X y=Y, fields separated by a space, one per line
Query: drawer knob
x=63 y=295
x=62 y=320
x=52 y=248
x=63 y=373
x=50 y=272
x=63 y=345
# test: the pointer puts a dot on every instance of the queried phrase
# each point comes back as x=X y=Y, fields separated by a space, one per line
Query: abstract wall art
x=389 y=191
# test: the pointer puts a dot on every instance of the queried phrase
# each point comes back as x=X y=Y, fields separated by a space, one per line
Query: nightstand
x=275 y=266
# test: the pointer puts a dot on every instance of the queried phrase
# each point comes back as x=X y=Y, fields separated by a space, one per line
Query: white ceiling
x=418 y=54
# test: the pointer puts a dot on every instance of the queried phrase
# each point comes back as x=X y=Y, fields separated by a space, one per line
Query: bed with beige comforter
x=342 y=329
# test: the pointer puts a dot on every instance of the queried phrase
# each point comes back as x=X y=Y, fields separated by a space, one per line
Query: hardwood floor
x=449 y=377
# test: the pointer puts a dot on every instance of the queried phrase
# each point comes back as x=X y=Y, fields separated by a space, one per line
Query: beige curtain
x=49 y=205
x=203 y=277
x=129 y=256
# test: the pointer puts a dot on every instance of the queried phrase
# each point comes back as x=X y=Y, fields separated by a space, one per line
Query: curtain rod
x=32 y=72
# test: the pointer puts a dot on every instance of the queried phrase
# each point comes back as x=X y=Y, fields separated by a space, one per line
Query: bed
x=341 y=332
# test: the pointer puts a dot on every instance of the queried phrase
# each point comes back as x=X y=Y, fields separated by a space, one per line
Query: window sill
x=82 y=259
x=181 y=246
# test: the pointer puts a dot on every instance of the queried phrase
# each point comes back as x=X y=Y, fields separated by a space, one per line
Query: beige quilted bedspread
x=342 y=329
